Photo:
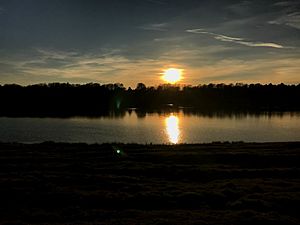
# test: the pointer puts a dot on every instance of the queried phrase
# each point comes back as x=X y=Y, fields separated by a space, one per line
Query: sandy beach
x=217 y=183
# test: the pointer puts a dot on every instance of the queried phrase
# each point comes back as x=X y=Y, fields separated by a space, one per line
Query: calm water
x=153 y=128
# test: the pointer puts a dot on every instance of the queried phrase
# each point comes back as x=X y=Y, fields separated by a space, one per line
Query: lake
x=156 y=128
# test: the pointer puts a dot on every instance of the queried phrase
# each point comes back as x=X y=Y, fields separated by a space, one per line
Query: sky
x=132 y=41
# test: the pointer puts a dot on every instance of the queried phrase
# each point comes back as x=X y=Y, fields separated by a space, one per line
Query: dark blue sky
x=134 y=41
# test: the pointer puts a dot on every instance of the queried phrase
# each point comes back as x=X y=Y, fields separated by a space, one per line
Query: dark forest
x=64 y=99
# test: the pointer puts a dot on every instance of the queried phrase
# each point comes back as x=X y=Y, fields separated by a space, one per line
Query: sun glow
x=172 y=128
x=172 y=75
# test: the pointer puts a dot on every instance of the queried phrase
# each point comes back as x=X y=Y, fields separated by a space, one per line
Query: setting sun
x=172 y=75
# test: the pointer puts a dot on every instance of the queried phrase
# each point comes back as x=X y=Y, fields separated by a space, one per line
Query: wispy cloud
x=290 y=15
x=155 y=27
x=283 y=3
x=289 y=3
x=201 y=65
x=291 y=20
x=236 y=40
x=253 y=71
x=48 y=65
x=240 y=8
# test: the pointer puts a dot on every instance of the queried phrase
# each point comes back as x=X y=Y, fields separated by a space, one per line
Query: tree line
x=59 y=99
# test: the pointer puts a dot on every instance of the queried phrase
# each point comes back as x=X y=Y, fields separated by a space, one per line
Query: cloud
x=241 y=8
x=201 y=64
x=62 y=66
x=237 y=40
x=261 y=70
x=155 y=27
x=283 y=3
x=286 y=3
x=291 y=20
x=289 y=15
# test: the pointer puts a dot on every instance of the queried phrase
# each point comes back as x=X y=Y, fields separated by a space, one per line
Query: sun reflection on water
x=172 y=128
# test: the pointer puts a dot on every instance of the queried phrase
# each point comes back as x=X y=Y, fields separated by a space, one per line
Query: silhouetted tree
x=64 y=99
x=140 y=87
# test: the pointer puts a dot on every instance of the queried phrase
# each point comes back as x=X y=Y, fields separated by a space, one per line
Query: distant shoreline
x=64 y=99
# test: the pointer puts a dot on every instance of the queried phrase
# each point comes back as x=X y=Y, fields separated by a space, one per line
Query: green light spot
x=118 y=151
x=118 y=104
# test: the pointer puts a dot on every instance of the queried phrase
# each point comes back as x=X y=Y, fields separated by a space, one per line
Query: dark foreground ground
x=218 y=183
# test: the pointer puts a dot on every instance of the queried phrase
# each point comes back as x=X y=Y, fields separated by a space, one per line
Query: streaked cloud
x=291 y=20
x=289 y=14
x=236 y=40
x=155 y=27
x=282 y=3
x=290 y=3
x=62 y=66
x=254 y=71
x=132 y=41
x=240 y=8
x=201 y=65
